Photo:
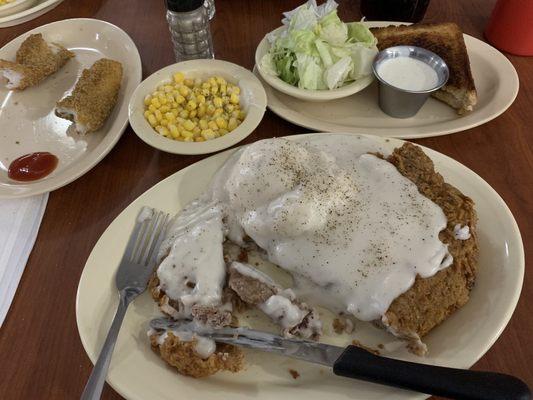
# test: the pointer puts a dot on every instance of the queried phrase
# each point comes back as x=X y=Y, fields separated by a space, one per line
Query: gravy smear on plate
x=352 y=230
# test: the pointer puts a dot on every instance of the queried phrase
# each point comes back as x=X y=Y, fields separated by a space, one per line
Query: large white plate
x=27 y=119
x=24 y=15
x=496 y=83
x=137 y=373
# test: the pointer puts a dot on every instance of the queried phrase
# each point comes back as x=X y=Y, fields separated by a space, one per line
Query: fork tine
x=145 y=238
x=157 y=237
x=135 y=234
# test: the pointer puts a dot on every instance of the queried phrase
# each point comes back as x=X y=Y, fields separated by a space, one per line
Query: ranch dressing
x=408 y=74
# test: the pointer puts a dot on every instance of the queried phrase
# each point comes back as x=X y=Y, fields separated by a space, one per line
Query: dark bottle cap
x=183 y=5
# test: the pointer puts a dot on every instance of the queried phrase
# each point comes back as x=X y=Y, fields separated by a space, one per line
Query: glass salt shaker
x=188 y=21
x=210 y=6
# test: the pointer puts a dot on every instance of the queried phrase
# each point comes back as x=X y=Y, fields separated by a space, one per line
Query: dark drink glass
x=394 y=10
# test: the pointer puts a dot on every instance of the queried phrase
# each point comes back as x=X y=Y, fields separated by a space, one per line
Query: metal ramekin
x=401 y=103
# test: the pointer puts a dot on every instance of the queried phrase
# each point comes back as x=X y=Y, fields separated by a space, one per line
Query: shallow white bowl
x=253 y=101
x=16 y=6
x=306 y=94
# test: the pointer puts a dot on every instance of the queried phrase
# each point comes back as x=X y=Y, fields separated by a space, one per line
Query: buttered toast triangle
x=445 y=40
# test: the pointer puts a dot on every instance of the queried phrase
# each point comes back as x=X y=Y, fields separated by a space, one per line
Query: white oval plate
x=24 y=15
x=27 y=117
x=496 y=83
x=306 y=94
x=253 y=99
x=137 y=373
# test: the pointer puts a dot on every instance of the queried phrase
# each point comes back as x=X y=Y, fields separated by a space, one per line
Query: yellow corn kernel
x=223 y=89
x=210 y=109
x=208 y=134
x=152 y=108
x=214 y=89
x=187 y=134
x=184 y=114
x=163 y=100
x=218 y=112
x=203 y=124
x=242 y=115
x=232 y=89
x=189 y=125
x=160 y=89
x=235 y=114
x=188 y=83
x=222 y=132
x=234 y=98
x=200 y=98
x=201 y=110
x=212 y=125
x=179 y=77
x=158 y=115
x=167 y=88
x=212 y=81
x=217 y=101
x=220 y=80
x=147 y=113
x=170 y=98
x=191 y=105
x=162 y=130
x=192 y=114
x=155 y=102
x=180 y=99
x=147 y=100
x=232 y=124
x=165 y=108
x=221 y=122
x=174 y=112
x=196 y=131
x=180 y=120
x=152 y=120
x=229 y=108
x=199 y=139
x=189 y=139
x=206 y=85
x=205 y=92
x=184 y=91
x=163 y=122
x=170 y=117
x=174 y=132
x=225 y=100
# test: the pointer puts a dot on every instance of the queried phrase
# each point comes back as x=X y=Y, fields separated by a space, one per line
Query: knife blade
x=358 y=363
x=319 y=353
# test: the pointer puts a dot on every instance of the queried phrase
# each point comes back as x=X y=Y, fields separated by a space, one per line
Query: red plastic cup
x=510 y=27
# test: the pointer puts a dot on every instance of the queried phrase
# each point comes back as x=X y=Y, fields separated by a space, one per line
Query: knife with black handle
x=358 y=363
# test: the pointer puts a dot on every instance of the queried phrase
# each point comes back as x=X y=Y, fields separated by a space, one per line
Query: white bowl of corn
x=197 y=106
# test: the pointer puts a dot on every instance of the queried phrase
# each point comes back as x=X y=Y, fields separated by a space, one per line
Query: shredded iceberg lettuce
x=316 y=50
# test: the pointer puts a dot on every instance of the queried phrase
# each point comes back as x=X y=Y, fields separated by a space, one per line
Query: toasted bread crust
x=447 y=41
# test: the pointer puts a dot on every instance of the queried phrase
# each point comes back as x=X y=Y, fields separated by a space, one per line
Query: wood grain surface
x=41 y=356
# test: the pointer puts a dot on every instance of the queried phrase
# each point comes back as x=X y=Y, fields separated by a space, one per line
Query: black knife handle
x=463 y=384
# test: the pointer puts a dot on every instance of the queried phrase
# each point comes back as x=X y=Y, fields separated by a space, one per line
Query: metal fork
x=132 y=277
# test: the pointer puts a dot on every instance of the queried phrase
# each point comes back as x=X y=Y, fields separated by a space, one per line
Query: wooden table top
x=40 y=350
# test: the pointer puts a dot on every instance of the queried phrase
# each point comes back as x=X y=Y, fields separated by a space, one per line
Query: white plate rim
x=511 y=303
x=146 y=133
x=108 y=142
x=35 y=9
x=510 y=84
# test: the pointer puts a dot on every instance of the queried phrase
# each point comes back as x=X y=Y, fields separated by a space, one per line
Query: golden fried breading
x=35 y=60
x=183 y=356
x=93 y=97
x=431 y=300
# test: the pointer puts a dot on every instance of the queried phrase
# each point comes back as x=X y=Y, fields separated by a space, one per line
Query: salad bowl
x=305 y=94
